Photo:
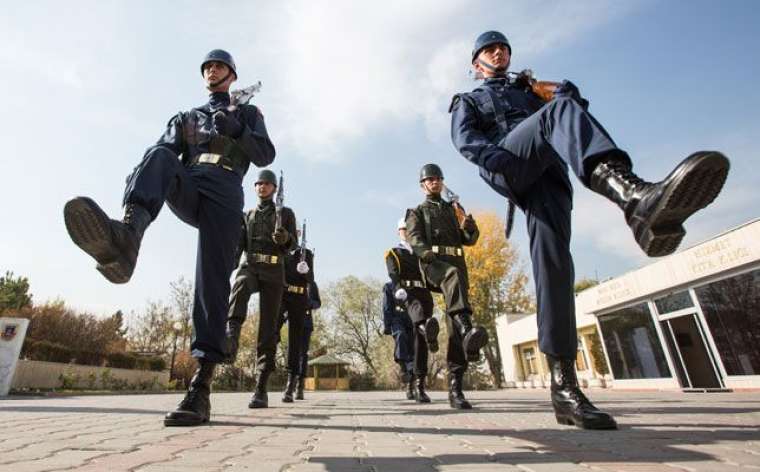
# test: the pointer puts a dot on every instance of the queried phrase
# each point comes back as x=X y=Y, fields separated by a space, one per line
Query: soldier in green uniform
x=262 y=270
x=409 y=296
x=437 y=237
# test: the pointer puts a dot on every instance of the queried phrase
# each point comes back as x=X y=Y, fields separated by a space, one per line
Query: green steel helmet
x=430 y=170
x=220 y=55
x=267 y=175
x=488 y=38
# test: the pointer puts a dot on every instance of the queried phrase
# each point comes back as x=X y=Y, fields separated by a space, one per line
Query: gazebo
x=327 y=372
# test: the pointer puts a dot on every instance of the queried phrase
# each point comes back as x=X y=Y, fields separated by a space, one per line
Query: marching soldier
x=197 y=167
x=524 y=148
x=315 y=302
x=408 y=315
x=262 y=270
x=437 y=237
x=299 y=274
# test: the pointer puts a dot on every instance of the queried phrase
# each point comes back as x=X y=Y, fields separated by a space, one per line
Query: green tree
x=498 y=285
x=354 y=314
x=14 y=293
x=584 y=283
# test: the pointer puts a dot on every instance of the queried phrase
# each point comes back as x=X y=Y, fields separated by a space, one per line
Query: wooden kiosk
x=327 y=372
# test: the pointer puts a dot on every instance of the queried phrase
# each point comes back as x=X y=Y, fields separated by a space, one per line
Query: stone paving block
x=65 y=459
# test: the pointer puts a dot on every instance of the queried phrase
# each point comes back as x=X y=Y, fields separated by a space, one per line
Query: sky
x=355 y=96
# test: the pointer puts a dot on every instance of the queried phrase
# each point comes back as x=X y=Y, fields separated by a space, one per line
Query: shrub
x=89 y=358
x=48 y=351
x=157 y=364
x=69 y=380
x=121 y=360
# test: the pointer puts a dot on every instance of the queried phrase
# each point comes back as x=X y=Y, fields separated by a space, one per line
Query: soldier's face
x=497 y=55
x=432 y=185
x=264 y=190
x=215 y=71
x=402 y=234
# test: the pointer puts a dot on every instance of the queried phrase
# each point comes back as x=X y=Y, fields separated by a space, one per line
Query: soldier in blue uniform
x=524 y=148
x=262 y=271
x=196 y=167
x=299 y=274
x=315 y=302
x=408 y=315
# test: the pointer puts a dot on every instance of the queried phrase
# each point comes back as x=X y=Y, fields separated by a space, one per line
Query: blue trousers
x=308 y=328
x=210 y=199
x=562 y=135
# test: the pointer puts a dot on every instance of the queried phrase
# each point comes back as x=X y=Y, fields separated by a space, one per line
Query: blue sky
x=355 y=97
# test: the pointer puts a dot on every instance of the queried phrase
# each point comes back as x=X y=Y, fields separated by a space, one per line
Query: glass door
x=686 y=342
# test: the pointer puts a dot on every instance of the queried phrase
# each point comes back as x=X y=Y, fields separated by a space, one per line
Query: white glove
x=400 y=295
x=302 y=267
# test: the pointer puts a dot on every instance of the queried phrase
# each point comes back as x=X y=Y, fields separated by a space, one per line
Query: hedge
x=54 y=352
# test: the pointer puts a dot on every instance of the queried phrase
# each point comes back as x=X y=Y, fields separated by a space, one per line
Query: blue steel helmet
x=220 y=55
x=488 y=38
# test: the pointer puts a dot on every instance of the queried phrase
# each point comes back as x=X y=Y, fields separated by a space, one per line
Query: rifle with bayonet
x=543 y=88
x=243 y=96
x=303 y=241
x=453 y=198
x=279 y=203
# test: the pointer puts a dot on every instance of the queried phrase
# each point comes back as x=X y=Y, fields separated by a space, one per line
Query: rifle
x=279 y=203
x=243 y=96
x=543 y=88
x=453 y=198
x=303 y=241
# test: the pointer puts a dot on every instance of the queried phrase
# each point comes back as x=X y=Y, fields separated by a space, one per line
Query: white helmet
x=401 y=224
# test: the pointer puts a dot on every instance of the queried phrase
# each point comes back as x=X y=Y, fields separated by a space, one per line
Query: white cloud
x=345 y=69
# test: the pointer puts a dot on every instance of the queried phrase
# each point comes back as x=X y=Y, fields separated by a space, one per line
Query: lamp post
x=176 y=327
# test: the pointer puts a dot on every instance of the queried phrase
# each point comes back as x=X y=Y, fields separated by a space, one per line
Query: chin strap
x=220 y=81
x=496 y=70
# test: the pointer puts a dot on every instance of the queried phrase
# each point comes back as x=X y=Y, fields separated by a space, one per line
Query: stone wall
x=47 y=375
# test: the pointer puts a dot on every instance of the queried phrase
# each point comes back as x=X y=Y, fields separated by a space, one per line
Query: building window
x=732 y=310
x=632 y=344
x=674 y=302
x=529 y=356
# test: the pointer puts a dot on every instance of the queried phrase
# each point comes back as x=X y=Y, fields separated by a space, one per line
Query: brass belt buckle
x=209 y=158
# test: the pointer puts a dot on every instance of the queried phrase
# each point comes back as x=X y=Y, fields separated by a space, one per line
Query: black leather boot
x=410 y=388
x=655 y=212
x=113 y=244
x=571 y=406
x=299 y=388
x=473 y=338
x=260 y=398
x=419 y=393
x=456 y=396
x=232 y=339
x=430 y=330
x=195 y=408
x=287 y=395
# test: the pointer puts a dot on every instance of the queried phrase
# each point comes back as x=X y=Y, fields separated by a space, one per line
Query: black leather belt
x=412 y=283
x=263 y=258
x=214 y=159
x=449 y=250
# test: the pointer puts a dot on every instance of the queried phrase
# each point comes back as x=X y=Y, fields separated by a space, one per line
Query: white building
x=687 y=321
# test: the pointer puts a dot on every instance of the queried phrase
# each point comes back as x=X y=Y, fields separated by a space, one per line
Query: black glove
x=387 y=331
x=280 y=236
x=569 y=89
x=428 y=256
x=226 y=124
x=469 y=224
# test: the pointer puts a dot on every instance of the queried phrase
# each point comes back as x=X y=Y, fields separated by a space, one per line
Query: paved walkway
x=511 y=430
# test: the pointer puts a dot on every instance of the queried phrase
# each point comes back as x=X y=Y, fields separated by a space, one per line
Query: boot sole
x=431 y=335
x=570 y=421
x=254 y=406
x=663 y=232
x=170 y=422
x=90 y=229
x=477 y=340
